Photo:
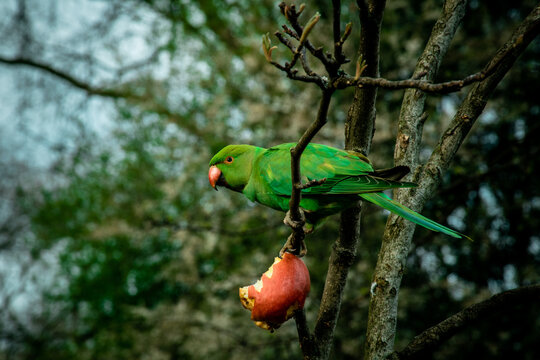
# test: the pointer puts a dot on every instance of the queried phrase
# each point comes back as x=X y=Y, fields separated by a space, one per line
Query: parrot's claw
x=308 y=229
x=293 y=223
x=288 y=247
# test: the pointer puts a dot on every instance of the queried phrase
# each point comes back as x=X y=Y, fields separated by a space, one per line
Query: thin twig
x=338 y=44
x=290 y=13
x=296 y=153
x=424 y=85
x=290 y=32
x=90 y=89
x=312 y=183
x=336 y=12
x=305 y=337
x=301 y=52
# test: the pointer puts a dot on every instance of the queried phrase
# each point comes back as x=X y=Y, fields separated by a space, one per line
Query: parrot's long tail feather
x=381 y=199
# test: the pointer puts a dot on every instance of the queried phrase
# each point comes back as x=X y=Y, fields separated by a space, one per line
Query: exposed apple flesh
x=281 y=291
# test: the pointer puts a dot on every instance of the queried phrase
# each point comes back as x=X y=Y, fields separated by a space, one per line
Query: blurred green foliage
x=149 y=258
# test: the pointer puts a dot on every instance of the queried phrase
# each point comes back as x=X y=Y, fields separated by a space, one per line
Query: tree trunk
x=398 y=233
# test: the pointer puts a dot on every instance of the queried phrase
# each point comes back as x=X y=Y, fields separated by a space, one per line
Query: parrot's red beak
x=213 y=176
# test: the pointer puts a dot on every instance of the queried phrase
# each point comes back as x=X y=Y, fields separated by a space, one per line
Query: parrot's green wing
x=345 y=172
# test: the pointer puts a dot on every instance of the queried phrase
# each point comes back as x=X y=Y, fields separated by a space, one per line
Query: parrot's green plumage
x=264 y=176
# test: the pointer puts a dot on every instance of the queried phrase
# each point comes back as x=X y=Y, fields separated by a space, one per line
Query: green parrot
x=264 y=176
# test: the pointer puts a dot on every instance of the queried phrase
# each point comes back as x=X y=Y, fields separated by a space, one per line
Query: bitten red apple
x=281 y=291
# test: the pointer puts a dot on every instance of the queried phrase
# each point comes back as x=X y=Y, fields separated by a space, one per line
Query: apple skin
x=279 y=293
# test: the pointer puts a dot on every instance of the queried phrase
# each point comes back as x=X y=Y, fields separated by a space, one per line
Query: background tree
x=115 y=246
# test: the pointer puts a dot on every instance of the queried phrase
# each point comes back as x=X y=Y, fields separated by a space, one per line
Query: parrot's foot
x=294 y=223
x=294 y=245
x=289 y=247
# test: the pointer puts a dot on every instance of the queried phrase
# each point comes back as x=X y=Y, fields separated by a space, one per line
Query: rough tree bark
x=398 y=233
x=395 y=247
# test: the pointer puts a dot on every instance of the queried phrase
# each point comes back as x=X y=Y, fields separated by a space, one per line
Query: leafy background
x=112 y=244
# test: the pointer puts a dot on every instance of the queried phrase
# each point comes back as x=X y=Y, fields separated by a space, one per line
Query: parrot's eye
x=229 y=159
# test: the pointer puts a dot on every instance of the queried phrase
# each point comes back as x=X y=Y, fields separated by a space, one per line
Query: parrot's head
x=231 y=167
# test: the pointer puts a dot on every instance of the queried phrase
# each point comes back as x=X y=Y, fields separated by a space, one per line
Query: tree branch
x=290 y=13
x=90 y=89
x=428 y=65
x=339 y=40
x=144 y=100
x=395 y=246
x=332 y=63
x=388 y=272
x=452 y=15
x=296 y=217
x=346 y=81
x=474 y=103
x=359 y=130
x=411 y=117
x=360 y=124
x=336 y=26
x=305 y=338
x=427 y=86
x=342 y=257
x=398 y=232
x=428 y=341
